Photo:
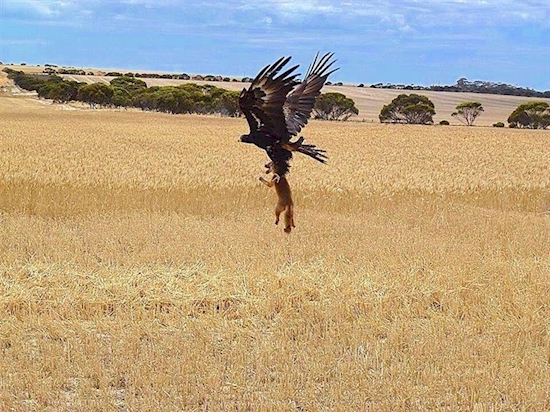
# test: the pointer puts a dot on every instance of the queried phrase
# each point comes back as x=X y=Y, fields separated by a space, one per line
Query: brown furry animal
x=285 y=203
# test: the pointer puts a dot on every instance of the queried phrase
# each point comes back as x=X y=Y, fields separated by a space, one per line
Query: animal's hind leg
x=289 y=219
x=278 y=210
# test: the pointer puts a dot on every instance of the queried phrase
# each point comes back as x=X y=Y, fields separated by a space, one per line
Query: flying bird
x=277 y=107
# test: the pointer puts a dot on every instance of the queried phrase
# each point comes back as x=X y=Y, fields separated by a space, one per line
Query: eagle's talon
x=276 y=177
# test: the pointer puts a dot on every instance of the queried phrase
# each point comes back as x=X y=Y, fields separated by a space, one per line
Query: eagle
x=277 y=106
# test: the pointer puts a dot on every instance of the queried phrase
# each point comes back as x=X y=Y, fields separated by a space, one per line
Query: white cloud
x=403 y=12
x=49 y=9
x=43 y=8
x=393 y=14
x=355 y=17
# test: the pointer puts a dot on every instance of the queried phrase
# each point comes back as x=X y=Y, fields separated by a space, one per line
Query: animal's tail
x=289 y=219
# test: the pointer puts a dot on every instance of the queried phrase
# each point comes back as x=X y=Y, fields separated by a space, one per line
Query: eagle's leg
x=294 y=146
x=269 y=169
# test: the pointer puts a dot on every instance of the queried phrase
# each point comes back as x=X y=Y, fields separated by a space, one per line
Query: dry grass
x=140 y=268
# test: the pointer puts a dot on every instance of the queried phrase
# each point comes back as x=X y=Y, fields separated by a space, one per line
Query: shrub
x=334 y=106
x=411 y=109
x=444 y=123
x=531 y=115
x=467 y=112
x=498 y=124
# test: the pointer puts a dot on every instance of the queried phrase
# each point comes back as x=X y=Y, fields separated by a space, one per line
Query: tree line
x=54 y=70
x=419 y=109
x=461 y=85
x=129 y=91
x=477 y=86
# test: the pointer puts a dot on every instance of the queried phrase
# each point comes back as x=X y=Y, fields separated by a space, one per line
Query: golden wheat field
x=140 y=269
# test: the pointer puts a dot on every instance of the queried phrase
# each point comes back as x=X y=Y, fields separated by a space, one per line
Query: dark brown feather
x=277 y=107
x=262 y=104
x=299 y=104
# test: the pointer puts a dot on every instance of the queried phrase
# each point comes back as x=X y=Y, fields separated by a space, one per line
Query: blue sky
x=398 y=41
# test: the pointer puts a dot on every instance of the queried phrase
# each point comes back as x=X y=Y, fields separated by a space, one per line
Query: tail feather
x=308 y=149
x=313 y=152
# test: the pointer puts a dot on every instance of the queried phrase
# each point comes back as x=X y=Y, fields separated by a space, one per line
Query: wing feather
x=262 y=103
x=299 y=104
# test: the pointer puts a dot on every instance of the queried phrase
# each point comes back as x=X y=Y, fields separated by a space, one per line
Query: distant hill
x=369 y=100
x=463 y=85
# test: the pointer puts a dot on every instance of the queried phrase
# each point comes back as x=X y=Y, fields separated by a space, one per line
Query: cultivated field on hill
x=140 y=268
x=368 y=101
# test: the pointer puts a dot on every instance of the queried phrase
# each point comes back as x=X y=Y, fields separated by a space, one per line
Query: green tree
x=174 y=100
x=121 y=97
x=412 y=109
x=531 y=115
x=228 y=103
x=24 y=80
x=124 y=88
x=124 y=91
x=130 y=84
x=59 y=91
x=96 y=94
x=467 y=112
x=145 y=99
x=334 y=106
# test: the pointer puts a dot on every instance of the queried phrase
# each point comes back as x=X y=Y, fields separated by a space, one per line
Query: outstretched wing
x=262 y=103
x=299 y=104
